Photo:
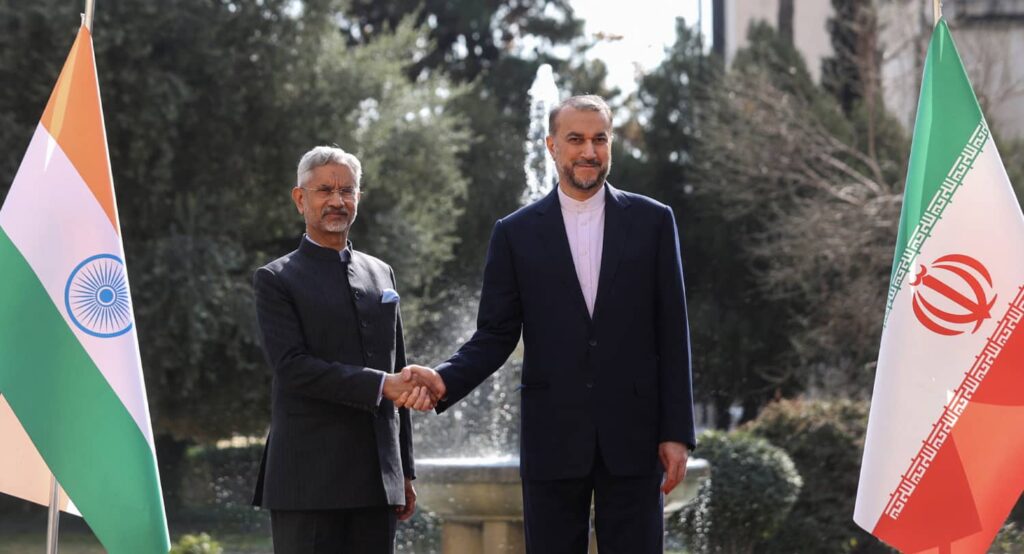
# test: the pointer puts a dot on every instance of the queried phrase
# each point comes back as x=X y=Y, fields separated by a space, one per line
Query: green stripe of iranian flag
x=941 y=466
x=70 y=370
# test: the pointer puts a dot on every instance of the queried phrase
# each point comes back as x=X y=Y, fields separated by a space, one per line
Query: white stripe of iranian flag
x=917 y=368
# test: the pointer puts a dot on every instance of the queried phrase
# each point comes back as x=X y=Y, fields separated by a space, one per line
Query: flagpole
x=53 y=519
x=936 y=11
x=54 y=516
x=90 y=7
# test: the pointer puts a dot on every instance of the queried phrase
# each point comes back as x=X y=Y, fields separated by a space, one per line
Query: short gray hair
x=323 y=155
x=585 y=102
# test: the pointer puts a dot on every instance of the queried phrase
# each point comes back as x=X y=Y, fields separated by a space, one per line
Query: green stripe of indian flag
x=76 y=421
x=80 y=397
x=917 y=368
x=939 y=137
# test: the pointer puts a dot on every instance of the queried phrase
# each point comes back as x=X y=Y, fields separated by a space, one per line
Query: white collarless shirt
x=584 y=227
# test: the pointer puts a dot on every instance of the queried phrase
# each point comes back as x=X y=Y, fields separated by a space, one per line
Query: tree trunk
x=723 y=419
x=786 y=20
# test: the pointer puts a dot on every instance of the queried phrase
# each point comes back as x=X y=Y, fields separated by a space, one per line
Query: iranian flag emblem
x=944 y=455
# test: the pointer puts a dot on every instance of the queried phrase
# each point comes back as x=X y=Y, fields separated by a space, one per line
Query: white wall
x=810 y=33
x=990 y=48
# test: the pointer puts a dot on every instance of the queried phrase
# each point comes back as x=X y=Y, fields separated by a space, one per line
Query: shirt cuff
x=380 y=389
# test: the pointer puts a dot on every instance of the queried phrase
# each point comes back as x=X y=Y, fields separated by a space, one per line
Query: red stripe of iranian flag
x=70 y=371
x=942 y=459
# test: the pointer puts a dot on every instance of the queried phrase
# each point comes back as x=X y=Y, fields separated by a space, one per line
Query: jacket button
x=593 y=342
x=364 y=325
x=590 y=384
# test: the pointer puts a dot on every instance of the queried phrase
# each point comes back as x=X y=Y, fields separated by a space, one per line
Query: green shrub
x=196 y=544
x=825 y=439
x=1010 y=540
x=752 y=487
x=222 y=476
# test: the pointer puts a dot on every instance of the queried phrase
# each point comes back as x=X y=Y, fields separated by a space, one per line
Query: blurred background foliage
x=787 y=193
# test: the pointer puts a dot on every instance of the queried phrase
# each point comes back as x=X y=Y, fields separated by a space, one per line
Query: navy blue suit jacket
x=618 y=381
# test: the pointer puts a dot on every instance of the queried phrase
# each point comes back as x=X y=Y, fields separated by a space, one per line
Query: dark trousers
x=627 y=513
x=352 y=531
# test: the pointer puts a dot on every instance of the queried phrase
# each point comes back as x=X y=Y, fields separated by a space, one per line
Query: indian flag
x=944 y=456
x=73 y=400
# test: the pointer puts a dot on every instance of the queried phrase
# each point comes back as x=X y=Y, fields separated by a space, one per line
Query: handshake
x=417 y=387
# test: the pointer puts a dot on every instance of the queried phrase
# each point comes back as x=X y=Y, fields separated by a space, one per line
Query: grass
x=24 y=531
x=83 y=542
x=237 y=531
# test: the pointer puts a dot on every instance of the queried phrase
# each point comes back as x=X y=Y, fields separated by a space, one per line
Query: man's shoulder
x=644 y=203
x=281 y=264
x=370 y=261
x=527 y=213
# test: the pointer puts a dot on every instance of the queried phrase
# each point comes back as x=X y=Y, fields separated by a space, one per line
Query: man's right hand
x=406 y=392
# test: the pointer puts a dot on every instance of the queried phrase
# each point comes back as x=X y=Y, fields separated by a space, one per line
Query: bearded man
x=337 y=470
x=592 y=278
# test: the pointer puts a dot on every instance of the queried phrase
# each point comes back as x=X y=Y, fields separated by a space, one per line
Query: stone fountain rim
x=499 y=470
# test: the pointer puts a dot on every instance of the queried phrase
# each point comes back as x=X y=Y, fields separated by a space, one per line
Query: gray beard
x=583 y=185
x=339 y=226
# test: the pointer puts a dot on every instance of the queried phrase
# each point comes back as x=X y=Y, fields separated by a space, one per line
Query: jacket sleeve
x=296 y=371
x=498 y=325
x=674 y=373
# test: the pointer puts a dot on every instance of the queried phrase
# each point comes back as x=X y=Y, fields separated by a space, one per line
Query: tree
x=208 y=107
x=818 y=207
x=468 y=37
x=851 y=75
x=495 y=47
x=734 y=328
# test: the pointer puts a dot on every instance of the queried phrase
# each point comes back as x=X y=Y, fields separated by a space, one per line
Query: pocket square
x=389 y=296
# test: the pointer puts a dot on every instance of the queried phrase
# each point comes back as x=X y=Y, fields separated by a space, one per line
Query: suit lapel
x=616 y=229
x=551 y=233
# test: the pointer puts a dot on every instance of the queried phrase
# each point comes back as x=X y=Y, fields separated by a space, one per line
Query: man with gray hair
x=337 y=470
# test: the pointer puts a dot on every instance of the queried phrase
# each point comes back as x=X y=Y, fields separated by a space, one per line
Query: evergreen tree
x=209 y=106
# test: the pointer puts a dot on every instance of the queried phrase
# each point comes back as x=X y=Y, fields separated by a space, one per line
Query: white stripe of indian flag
x=53 y=219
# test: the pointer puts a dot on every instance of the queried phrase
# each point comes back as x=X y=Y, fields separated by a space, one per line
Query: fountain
x=539 y=167
x=478 y=497
x=480 y=502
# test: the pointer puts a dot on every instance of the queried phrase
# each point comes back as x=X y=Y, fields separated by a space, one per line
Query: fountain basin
x=480 y=502
x=474 y=488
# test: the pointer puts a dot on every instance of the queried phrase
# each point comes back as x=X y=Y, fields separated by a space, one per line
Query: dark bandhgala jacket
x=618 y=381
x=330 y=332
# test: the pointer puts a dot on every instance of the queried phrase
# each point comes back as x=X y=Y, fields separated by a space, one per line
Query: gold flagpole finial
x=936 y=11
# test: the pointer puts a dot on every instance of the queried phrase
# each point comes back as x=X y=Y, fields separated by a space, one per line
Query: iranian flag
x=72 y=398
x=944 y=455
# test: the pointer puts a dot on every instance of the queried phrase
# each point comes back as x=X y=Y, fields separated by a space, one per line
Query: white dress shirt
x=584 y=226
